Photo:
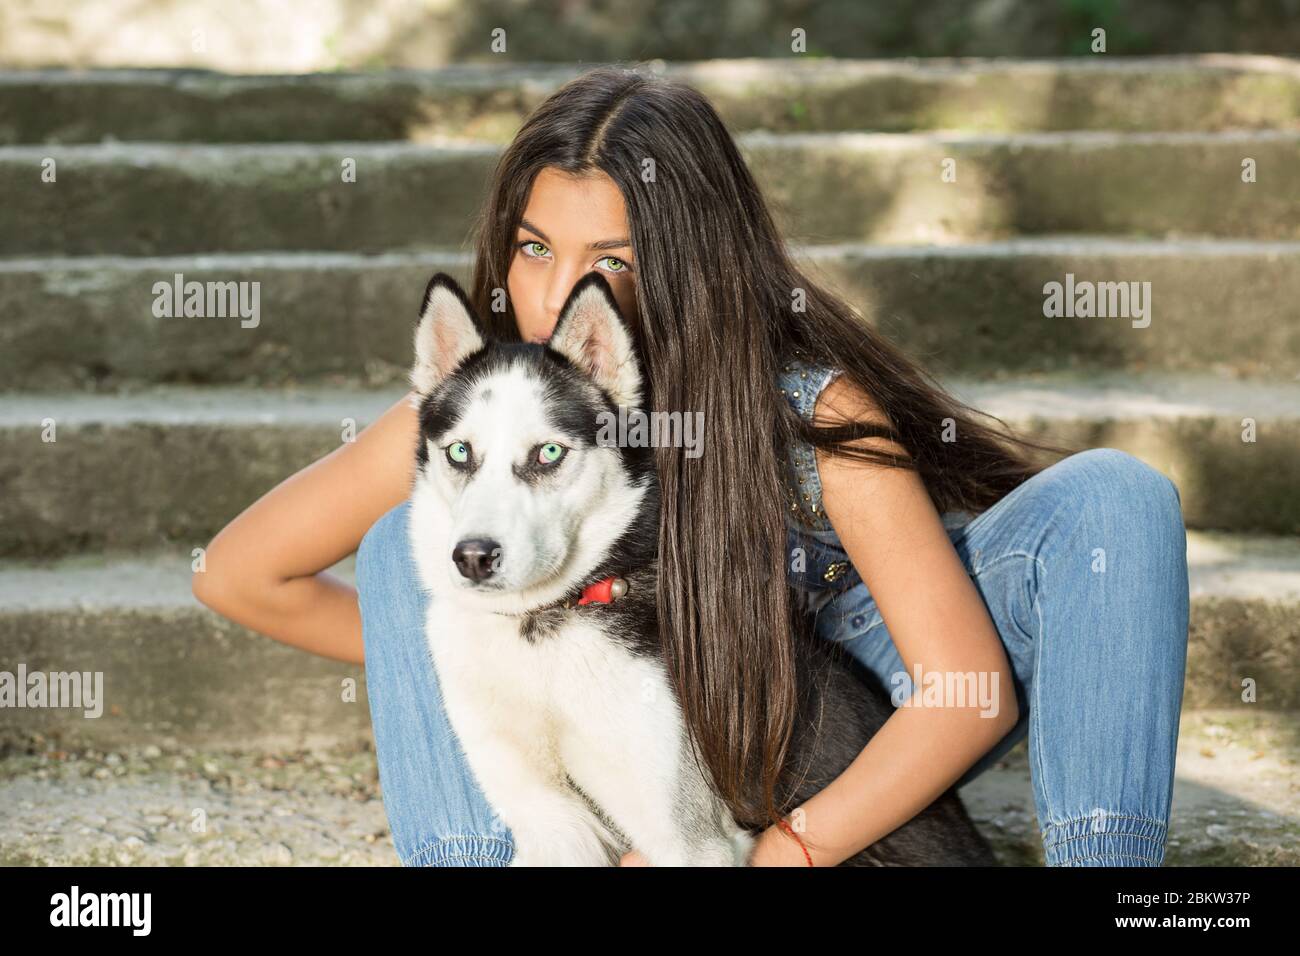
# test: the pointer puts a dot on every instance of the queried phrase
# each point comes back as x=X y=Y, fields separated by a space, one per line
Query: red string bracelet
x=788 y=829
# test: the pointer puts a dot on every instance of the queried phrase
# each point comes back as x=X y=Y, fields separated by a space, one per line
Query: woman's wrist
x=775 y=847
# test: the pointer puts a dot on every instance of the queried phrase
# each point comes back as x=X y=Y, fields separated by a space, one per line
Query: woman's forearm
x=317 y=613
x=916 y=755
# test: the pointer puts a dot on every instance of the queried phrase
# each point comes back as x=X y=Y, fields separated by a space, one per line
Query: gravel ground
x=179 y=807
x=1236 y=794
x=1236 y=802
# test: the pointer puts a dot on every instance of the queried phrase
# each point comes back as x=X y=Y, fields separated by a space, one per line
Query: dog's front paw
x=529 y=851
x=566 y=851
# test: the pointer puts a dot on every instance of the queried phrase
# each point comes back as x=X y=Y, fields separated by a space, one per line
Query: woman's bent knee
x=384 y=542
x=1133 y=494
x=392 y=603
x=1120 y=470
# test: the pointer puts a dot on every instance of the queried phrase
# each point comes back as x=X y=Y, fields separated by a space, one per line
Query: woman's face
x=571 y=226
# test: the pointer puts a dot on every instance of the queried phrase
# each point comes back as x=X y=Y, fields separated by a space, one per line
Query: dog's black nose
x=476 y=558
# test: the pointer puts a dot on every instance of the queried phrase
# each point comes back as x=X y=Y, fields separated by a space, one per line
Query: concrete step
x=788 y=95
x=88 y=322
x=152 y=199
x=1235 y=802
x=351 y=35
x=1231 y=445
x=168 y=450
x=171 y=667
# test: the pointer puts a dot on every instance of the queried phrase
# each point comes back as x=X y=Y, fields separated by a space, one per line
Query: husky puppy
x=537 y=543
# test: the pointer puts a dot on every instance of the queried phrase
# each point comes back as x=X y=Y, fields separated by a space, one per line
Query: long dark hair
x=714 y=291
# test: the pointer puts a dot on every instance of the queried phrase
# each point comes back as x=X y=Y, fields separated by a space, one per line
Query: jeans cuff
x=463 y=851
x=1103 y=838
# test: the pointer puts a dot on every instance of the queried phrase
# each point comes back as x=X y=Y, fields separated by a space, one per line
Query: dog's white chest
x=576 y=675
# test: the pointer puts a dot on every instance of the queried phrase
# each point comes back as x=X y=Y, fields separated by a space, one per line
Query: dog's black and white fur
x=565 y=713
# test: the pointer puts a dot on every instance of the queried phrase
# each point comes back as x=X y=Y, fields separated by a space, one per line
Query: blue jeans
x=1083 y=569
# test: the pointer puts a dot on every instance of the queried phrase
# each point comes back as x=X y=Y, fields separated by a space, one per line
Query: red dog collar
x=605 y=591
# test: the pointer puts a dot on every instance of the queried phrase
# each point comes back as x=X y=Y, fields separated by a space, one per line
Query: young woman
x=920 y=538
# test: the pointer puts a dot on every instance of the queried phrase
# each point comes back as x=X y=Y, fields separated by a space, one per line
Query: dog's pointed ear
x=592 y=334
x=445 y=335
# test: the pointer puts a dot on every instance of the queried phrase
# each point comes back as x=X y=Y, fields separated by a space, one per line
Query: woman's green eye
x=458 y=453
x=534 y=245
x=550 y=453
x=620 y=264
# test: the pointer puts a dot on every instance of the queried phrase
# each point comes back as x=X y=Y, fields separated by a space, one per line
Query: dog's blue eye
x=458 y=453
x=550 y=453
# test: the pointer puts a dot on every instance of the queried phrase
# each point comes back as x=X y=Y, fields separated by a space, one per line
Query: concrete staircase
x=1112 y=171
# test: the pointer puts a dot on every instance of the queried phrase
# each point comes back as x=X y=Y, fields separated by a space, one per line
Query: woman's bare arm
x=893 y=535
x=266 y=569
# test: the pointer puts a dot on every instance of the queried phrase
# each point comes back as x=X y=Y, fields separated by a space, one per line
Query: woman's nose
x=557 y=293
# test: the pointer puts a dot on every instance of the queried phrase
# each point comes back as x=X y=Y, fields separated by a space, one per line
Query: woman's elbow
x=211 y=583
x=208 y=588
